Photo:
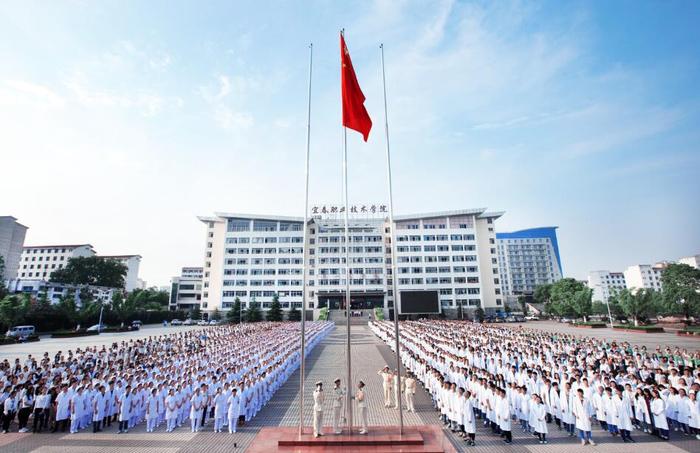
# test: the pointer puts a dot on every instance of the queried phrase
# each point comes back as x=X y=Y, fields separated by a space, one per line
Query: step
x=378 y=439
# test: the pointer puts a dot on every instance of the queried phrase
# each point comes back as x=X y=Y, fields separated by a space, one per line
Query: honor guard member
x=318 y=409
x=362 y=406
x=338 y=395
x=410 y=386
x=387 y=379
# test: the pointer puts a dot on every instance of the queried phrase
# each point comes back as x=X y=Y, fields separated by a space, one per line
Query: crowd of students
x=501 y=376
x=220 y=373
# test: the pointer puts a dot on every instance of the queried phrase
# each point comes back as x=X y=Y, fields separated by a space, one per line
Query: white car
x=175 y=322
x=213 y=322
x=188 y=322
x=96 y=328
x=532 y=318
x=202 y=323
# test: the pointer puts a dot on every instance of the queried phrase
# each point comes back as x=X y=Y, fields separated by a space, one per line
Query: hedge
x=645 y=329
x=590 y=325
x=14 y=340
x=73 y=333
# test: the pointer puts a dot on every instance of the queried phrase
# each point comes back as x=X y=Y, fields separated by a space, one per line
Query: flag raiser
x=355 y=114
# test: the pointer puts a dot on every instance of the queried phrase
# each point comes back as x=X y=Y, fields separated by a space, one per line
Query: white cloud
x=24 y=91
x=230 y=119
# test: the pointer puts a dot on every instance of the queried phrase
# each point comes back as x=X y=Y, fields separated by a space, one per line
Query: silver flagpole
x=306 y=232
x=393 y=249
x=348 y=358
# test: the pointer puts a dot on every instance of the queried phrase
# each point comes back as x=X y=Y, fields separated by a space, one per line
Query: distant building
x=56 y=291
x=644 y=276
x=12 y=236
x=527 y=259
x=40 y=261
x=132 y=263
x=605 y=284
x=186 y=289
x=693 y=261
x=255 y=257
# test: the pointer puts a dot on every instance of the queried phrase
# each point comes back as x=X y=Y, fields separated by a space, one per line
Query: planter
x=71 y=334
x=682 y=333
x=640 y=329
x=591 y=326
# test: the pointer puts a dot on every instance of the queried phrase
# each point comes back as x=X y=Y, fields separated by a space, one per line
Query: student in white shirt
x=41 y=410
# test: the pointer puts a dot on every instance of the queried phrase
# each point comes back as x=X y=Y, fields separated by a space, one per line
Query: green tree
x=639 y=305
x=122 y=308
x=148 y=299
x=294 y=314
x=681 y=290
x=234 y=314
x=479 y=314
x=215 y=315
x=91 y=270
x=196 y=313
x=275 y=311
x=581 y=303
x=253 y=313
x=10 y=311
x=541 y=294
x=522 y=300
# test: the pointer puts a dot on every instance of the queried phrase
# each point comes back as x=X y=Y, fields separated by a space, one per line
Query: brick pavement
x=325 y=362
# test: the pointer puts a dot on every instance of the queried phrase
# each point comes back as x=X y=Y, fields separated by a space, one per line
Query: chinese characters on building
x=354 y=209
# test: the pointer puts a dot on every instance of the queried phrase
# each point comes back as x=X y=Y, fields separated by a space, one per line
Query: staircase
x=338 y=317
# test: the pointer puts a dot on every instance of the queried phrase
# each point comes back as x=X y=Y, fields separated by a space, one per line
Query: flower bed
x=643 y=329
x=690 y=331
x=13 y=340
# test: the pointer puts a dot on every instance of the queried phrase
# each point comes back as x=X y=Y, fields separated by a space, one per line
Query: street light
x=99 y=323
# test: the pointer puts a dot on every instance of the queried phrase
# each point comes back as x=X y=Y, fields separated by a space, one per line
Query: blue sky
x=121 y=121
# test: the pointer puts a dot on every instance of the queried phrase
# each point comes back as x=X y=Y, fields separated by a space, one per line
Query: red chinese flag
x=355 y=114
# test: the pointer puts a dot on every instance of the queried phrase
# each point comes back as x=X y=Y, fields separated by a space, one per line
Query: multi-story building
x=56 y=291
x=186 y=289
x=38 y=262
x=527 y=259
x=254 y=257
x=12 y=236
x=644 y=276
x=132 y=263
x=605 y=284
x=693 y=261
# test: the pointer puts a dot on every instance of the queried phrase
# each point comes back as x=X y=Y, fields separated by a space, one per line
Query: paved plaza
x=325 y=363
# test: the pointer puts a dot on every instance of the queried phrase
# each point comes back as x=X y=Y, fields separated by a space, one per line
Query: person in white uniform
x=410 y=392
x=318 y=409
x=234 y=410
x=387 y=379
x=338 y=395
x=362 y=406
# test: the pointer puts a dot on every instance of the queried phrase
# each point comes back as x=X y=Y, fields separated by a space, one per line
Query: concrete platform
x=421 y=438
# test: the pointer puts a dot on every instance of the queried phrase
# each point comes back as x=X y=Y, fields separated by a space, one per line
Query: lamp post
x=99 y=323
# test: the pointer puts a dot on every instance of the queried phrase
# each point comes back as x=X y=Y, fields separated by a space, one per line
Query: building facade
x=644 y=276
x=12 y=235
x=527 y=259
x=132 y=263
x=186 y=289
x=693 y=261
x=40 y=261
x=605 y=284
x=56 y=291
x=254 y=257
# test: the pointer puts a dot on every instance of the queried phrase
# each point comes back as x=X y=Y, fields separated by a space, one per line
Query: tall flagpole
x=348 y=358
x=393 y=248
x=306 y=233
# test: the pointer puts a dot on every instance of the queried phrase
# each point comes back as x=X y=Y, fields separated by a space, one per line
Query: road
x=650 y=340
x=53 y=345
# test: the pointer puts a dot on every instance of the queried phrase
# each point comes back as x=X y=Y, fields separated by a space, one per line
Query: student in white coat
x=219 y=402
x=410 y=389
x=624 y=414
x=503 y=416
x=125 y=403
x=76 y=410
x=197 y=409
x=318 y=409
x=693 y=414
x=338 y=395
x=171 y=410
x=234 y=410
x=468 y=417
x=387 y=379
x=152 y=410
x=537 y=418
x=658 y=410
x=98 y=409
x=581 y=409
